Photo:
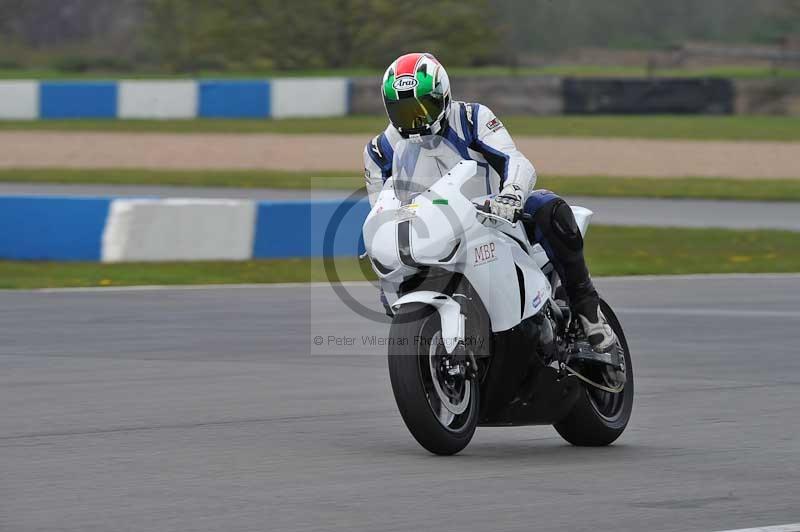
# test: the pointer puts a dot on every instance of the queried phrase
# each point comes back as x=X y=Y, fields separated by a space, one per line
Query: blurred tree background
x=276 y=35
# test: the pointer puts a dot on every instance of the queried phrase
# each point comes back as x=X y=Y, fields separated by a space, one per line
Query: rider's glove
x=508 y=203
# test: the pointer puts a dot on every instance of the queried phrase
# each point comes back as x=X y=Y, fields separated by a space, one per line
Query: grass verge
x=675 y=187
x=642 y=187
x=695 y=127
x=610 y=251
x=186 y=178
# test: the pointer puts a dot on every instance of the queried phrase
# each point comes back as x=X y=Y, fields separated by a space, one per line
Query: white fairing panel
x=537 y=287
x=491 y=266
x=380 y=230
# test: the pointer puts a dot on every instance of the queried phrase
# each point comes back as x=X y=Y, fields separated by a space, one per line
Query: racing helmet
x=416 y=94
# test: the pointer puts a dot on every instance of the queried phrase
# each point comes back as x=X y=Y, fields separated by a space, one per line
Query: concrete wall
x=365 y=96
x=178 y=229
x=77 y=99
x=304 y=229
x=544 y=95
x=19 y=100
x=318 y=97
x=234 y=99
x=506 y=96
x=512 y=96
x=767 y=97
x=125 y=230
x=174 y=99
x=309 y=97
x=157 y=99
x=52 y=228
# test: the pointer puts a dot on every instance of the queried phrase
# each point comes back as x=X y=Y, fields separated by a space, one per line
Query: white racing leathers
x=477 y=135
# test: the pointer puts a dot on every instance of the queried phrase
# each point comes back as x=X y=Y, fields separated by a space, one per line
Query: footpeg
x=583 y=352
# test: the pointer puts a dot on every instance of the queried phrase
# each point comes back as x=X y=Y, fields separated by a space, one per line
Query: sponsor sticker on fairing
x=538 y=299
x=404 y=83
x=406 y=212
x=484 y=254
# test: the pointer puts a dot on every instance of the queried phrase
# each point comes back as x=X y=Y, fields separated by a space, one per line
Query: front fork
x=451 y=317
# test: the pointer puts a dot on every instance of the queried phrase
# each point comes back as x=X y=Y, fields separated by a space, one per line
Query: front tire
x=414 y=358
x=598 y=418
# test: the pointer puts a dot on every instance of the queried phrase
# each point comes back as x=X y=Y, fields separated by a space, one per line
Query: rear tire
x=586 y=425
x=413 y=331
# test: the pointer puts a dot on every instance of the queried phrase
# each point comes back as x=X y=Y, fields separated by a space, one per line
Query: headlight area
x=384 y=270
x=380 y=268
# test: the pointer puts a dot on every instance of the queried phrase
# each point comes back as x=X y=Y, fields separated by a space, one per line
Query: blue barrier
x=71 y=228
x=253 y=98
x=234 y=99
x=52 y=228
x=69 y=99
x=299 y=228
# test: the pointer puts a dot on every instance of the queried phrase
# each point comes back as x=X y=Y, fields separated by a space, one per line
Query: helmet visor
x=414 y=115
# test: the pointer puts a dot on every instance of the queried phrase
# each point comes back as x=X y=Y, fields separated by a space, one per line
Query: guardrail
x=132 y=230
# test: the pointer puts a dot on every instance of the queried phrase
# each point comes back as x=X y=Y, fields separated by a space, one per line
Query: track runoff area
x=207 y=407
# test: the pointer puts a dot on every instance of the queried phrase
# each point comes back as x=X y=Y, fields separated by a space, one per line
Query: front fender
x=449 y=312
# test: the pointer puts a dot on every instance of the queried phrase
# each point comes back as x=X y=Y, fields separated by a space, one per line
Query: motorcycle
x=481 y=332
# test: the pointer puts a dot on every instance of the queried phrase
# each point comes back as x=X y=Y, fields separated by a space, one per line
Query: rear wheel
x=439 y=405
x=599 y=417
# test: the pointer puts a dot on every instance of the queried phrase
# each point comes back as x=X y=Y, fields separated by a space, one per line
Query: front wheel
x=438 y=403
x=599 y=417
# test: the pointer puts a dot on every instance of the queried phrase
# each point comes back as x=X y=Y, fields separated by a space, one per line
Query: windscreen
x=419 y=164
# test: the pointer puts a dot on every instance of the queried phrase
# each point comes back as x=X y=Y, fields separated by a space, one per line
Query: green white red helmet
x=416 y=94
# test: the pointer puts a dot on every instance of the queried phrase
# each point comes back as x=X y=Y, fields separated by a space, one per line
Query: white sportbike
x=481 y=329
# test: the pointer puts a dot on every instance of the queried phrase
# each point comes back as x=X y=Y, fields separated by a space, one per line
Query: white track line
x=700 y=276
x=794 y=527
x=264 y=286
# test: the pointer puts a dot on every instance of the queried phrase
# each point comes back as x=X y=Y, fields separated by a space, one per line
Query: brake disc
x=460 y=406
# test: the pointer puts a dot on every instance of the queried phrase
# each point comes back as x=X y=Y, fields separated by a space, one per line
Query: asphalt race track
x=211 y=409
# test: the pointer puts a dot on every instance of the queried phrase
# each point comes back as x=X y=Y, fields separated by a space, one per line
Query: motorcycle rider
x=416 y=96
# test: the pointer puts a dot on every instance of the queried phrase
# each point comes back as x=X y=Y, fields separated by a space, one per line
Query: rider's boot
x=599 y=333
